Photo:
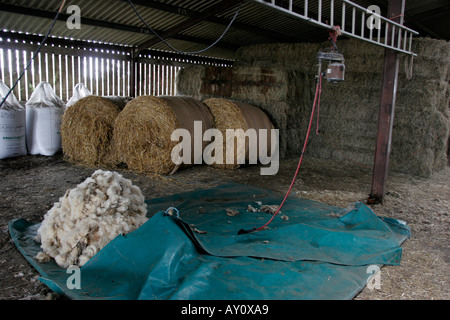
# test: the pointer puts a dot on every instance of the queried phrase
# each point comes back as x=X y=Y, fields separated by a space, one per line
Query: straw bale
x=190 y=80
x=260 y=84
x=227 y=115
x=230 y=114
x=142 y=131
x=349 y=111
x=203 y=82
x=86 y=130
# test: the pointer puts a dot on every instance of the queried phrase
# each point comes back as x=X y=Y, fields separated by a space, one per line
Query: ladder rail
x=400 y=36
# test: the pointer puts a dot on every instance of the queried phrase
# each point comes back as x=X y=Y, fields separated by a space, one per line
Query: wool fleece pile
x=88 y=217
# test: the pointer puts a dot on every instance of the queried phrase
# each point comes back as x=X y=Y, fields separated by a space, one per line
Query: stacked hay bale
x=266 y=88
x=87 y=129
x=348 y=118
x=234 y=115
x=206 y=81
x=142 y=131
x=422 y=120
x=348 y=111
x=280 y=79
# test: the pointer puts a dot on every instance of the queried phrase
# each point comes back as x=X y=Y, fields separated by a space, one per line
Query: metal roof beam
x=272 y=35
x=101 y=23
x=63 y=17
x=222 y=6
x=415 y=20
x=429 y=13
x=99 y=49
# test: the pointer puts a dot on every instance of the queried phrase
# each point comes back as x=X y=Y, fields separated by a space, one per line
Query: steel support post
x=396 y=12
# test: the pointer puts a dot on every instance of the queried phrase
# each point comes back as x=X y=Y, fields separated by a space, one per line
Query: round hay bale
x=87 y=129
x=142 y=131
x=238 y=115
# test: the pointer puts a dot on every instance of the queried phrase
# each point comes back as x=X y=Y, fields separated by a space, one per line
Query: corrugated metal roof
x=113 y=21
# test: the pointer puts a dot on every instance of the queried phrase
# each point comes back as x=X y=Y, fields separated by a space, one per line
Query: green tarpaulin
x=317 y=252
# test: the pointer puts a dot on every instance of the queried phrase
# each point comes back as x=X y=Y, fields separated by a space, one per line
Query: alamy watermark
x=213 y=153
x=74 y=20
x=74 y=280
x=374 y=280
x=374 y=20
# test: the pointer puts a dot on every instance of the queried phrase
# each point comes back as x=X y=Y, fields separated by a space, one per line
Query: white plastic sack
x=79 y=91
x=12 y=125
x=44 y=112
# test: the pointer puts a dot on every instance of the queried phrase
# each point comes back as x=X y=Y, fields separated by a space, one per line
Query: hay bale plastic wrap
x=12 y=125
x=87 y=129
x=88 y=217
x=79 y=91
x=230 y=114
x=142 y=131
x=44 y=112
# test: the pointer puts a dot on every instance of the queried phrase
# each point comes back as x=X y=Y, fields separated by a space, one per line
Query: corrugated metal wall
x=63 y=68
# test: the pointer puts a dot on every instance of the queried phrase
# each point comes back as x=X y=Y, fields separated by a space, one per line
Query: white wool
x=89 y=216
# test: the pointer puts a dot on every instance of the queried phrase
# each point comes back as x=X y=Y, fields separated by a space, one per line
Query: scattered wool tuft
x=88 y=217
x=232 y=212
x=269 y=208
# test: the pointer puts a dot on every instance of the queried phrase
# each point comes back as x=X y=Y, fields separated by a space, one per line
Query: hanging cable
x=35 y=54
x=180 y=51
x=316 y=103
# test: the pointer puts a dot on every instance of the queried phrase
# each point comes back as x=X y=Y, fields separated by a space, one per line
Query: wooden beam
x=396 y=10
x=222 y=6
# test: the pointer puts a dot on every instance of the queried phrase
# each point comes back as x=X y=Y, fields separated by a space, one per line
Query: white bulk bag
x=44 y=112
x=79 y=91
x=12 y=125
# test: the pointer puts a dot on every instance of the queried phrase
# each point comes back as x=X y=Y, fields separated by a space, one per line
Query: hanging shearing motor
x=335 y=70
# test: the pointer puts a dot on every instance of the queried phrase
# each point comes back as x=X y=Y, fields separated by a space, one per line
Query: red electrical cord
x=316 y=102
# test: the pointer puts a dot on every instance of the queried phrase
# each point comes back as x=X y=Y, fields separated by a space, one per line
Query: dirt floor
x=30 y=186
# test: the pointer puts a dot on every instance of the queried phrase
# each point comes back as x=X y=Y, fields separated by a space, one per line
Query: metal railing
x=354 y=21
